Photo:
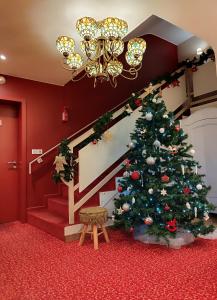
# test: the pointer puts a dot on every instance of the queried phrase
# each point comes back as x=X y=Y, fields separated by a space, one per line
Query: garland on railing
x=64 y=162
x=134 y=101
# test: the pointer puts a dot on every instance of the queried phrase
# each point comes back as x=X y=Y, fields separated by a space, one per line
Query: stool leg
x=95 y=237
x=82 y=237
x=105 y=233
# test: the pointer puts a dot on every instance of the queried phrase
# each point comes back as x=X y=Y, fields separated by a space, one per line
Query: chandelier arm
x=79 y=78
x=113 y=81
x=135 y=75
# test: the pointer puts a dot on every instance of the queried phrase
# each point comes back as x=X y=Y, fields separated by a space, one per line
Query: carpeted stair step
x=64 y=190
x=47 y=221
x=59 y=206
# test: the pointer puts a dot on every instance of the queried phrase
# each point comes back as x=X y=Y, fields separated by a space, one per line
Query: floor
x=35 y=266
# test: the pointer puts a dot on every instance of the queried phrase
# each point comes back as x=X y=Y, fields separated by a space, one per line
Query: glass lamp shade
x=133 y=60
x=110 y=28
x=114 y=68
x=65 y=45
x=89 y=47
x=93 y=69
x=123 y=28
x=74 y=61
x=87 y=28
x=115 y=47
x=136 y=46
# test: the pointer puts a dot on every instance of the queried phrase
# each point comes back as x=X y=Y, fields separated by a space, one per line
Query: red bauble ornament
x=171 y=225
x=177 y=127
x=135 y=175
x=165 y=178
x=186 y=191
x=194 y=69
x=166 y=207
x=138 y=102
x=175 y=83
x=94 y=142
x=120 y=188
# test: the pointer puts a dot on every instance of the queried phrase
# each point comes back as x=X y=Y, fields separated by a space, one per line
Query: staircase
x=53 y=218
x=60 y=214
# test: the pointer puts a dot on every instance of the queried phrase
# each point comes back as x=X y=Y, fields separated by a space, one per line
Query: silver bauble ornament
x=132 y=144
x=150 y=160
x=150 y=191
x=148 y=221
x=199 y=186
x=126 y=206
x=157 y=143
x=133 y=200
x=165 y=116
x=149 y=116
x=162 y=130
x=154 y=100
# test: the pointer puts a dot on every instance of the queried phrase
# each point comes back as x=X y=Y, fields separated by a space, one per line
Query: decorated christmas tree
x=161 y=186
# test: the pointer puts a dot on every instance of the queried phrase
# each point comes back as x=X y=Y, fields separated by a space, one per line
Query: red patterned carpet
x=36 y=266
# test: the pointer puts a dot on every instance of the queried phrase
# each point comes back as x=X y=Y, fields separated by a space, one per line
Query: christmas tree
x=161 y=186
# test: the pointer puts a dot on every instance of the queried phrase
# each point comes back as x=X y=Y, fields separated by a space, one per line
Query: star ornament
x=60 y=161
x=119 y=211
x=163 y=192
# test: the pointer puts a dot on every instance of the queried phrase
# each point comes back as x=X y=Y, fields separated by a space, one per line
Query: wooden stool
x=96 y=217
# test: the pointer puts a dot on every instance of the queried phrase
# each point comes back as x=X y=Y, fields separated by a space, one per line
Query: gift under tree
x=161 y=186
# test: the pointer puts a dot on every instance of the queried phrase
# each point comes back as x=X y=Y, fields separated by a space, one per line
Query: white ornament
x=133 y=200
x=163 y=192
x=192 y=151
x=126 y=206
x=159 y=100
x=150 y=160
x=199 y=186
x=113 y=217
x=149 y=116
x=162 y=130
x=157 y=143
x=133 y=94
x=188 y=205
x=195 y=212
x=144 y=153
x=126 y=174
x=154 y=100
x=165 y=116
x=150 y=191
x=183 y=170
x=196 y=169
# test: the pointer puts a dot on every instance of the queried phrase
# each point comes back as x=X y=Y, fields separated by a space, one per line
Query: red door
x=9 y=194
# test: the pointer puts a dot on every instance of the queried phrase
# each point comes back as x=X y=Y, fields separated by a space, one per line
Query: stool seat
x=95 y=217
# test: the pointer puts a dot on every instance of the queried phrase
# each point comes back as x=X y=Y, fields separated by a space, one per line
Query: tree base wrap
x=210 y=236
x=182 y=238
x=93 y=215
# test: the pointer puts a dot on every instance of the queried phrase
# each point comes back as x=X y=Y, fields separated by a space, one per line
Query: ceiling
x=29 y=28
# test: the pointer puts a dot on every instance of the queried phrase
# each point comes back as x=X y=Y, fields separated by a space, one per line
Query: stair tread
x=60 y=200
x=46 y=215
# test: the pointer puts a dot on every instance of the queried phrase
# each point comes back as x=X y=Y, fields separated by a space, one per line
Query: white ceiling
x=29 y=28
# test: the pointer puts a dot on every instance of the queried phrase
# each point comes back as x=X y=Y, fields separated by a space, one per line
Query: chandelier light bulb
x=101 y=45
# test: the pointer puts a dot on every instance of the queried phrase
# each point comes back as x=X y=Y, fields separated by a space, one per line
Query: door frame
x=22 y=156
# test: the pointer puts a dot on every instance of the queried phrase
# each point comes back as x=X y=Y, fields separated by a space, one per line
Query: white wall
x=205 y=80
x=95 y=159
x=188 y=49
x=174 y=97
x=201 y=128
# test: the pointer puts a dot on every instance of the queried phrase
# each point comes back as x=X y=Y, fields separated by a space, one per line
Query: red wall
x=45 y=102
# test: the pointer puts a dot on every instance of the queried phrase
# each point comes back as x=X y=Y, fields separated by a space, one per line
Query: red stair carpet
x=36 y=266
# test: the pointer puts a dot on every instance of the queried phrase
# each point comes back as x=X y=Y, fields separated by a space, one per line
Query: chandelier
x=102 y=45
